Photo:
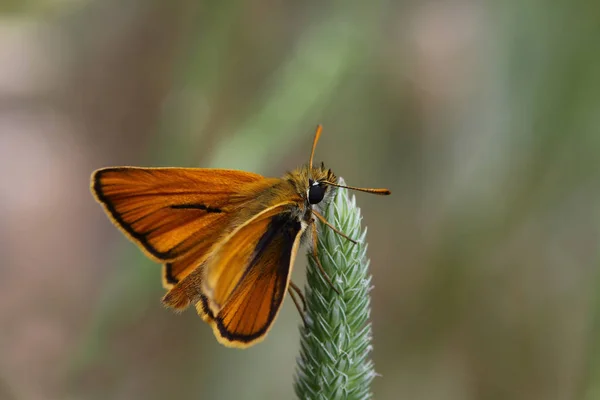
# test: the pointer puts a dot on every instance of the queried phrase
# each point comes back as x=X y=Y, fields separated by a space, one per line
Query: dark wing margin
x=169 y=276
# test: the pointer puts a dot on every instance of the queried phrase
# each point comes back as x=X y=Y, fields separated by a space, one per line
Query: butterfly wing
x=175 y=270
x=243 y=284
x=173 y=214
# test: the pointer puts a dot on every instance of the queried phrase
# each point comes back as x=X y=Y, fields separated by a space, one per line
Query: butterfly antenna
x=314 y=146
x=382 y=192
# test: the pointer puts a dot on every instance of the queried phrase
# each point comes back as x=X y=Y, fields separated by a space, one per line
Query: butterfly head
x=317 y=188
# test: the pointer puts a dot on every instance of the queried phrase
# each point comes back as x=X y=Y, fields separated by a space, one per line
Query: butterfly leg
x=299 y=293
x=316 y=256
x=297 y=304
x=323 y=220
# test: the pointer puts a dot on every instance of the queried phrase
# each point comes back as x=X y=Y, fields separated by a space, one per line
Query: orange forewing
x=169 y=212
x=246 y=280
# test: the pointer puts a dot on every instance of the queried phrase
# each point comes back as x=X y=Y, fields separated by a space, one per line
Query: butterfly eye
x=316 y=192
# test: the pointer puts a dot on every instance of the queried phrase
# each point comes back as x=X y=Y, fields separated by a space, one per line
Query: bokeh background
x=482 y=117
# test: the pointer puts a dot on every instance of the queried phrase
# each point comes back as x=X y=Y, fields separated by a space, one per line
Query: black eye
x=315 y=192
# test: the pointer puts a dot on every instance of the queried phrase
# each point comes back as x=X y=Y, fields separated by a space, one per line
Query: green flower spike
x=335 y=344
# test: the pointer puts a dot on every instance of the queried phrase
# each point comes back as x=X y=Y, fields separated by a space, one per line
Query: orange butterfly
x=228 y=239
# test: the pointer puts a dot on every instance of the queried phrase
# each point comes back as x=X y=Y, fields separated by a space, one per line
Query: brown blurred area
x=482 y=118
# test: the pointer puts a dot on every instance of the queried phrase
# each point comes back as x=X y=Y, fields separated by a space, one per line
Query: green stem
x=335 y=345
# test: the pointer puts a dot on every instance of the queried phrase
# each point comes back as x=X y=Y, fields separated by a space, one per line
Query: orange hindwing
x=245 y=283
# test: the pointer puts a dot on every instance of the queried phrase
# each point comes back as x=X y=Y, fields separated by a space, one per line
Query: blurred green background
x=483 y=118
